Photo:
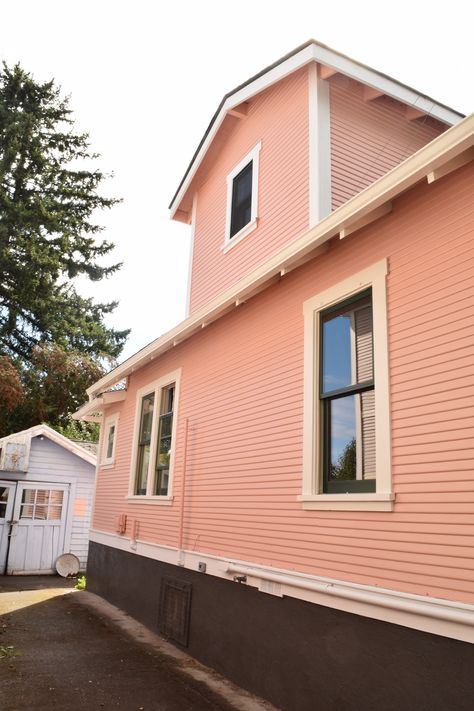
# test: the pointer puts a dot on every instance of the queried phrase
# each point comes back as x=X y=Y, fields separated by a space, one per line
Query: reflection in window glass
x=144 y=443
x=110 y=442
x=337 y=371
x=41 y=504
x=165 y=428
x=241 y=199
x=343 y=439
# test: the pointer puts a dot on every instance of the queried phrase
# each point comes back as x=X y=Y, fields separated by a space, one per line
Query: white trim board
x=433 y=615
x=311 y=52
x=303 y=248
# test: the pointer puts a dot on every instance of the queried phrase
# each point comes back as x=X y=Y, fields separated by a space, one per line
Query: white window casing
x=108 y=458
x=373 y=277
x=156 y=388
x=251 y=157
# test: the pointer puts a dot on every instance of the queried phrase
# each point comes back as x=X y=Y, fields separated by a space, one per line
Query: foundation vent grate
x=174 y=610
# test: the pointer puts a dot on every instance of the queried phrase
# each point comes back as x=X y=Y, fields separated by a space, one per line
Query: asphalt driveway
x=67 y=649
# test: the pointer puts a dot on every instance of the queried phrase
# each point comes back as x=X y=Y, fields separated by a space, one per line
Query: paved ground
x=66 y=649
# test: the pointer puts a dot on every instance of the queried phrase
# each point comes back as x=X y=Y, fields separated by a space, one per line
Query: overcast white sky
x=146 y=77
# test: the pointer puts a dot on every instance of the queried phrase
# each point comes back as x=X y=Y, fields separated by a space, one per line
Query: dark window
x=241 y=210
x=347 y=396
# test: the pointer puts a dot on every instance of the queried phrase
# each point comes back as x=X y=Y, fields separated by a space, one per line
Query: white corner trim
x=154 y=387
x=251 y=157
x=191 y=253
x=433 y=615
x=319 y=147
x=373 y=276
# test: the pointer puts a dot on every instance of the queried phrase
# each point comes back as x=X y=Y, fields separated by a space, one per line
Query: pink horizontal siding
x=279 y=118
x=368 y=138
x=242 y=390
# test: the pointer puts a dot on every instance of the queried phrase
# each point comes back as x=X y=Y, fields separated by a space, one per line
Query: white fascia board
x=271 y=77
x=341 y=64
x=385 y=84
x=94 y=405
x=414 y=169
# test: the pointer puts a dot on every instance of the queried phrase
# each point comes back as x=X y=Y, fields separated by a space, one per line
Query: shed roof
x=47 y=431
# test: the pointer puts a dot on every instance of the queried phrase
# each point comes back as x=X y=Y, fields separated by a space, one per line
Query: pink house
x=286 y=478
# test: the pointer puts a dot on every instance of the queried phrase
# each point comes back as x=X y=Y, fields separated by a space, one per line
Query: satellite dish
x=67 y=564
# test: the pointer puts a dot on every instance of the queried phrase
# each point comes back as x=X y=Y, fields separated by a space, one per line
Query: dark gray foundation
x=299 y=656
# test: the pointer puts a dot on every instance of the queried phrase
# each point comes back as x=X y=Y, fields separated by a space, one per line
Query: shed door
x=7 y=496
x=39 y=523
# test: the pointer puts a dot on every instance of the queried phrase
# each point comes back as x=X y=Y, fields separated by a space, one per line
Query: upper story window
x=109 y=439
x=153 y=452
x=242 y=198
x=346 y=410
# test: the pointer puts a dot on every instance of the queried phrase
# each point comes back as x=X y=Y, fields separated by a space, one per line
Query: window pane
x=54 y=513
x=342 y=444
x=165 y=429
x=142 y=469
x=26 y=511
x=337 y=371
x=4 y=491
x=347 y=345
x=241 y=211
x=3 y=509
x=110 y=442
x=148 y=403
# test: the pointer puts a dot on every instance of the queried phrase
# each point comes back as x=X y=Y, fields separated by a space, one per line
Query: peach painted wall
x=368 y=138
x=279 y=118
x=242 y=390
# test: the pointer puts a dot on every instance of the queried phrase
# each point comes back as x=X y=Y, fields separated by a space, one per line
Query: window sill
x=160 y=500
x=347 y=502
x=107 y=465
x=239 y=236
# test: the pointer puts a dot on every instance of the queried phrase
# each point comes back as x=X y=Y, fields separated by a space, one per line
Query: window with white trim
x=153 y=451
x=346 y=422
x=242 y=198
x=109 y=439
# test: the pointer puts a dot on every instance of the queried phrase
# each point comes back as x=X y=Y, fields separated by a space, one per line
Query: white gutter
x=450 y=144
x=446 y=610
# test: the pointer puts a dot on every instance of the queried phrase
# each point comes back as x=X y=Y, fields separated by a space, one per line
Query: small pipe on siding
x=183 y=494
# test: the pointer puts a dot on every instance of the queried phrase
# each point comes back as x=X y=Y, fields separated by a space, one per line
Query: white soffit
x=335 y=61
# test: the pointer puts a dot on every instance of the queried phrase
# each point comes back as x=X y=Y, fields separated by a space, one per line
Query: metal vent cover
x=175 y=610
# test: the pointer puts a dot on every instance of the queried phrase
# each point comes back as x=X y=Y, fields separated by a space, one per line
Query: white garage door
x=38 y=528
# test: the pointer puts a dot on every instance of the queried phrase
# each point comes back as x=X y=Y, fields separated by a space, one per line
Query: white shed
x=46 y=492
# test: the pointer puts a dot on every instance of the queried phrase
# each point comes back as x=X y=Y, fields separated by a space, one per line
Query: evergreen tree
x=53 y=341
x=47 y=234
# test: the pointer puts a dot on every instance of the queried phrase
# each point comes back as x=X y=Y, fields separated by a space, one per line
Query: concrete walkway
x=67 y=649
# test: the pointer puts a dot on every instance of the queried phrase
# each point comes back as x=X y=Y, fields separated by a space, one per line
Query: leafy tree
x=47 y=234
x=53 y=385
x=53 y=341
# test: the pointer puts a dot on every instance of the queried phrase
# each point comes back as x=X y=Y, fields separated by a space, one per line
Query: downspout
x=183 y=495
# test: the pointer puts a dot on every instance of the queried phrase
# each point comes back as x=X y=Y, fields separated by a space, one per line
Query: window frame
x=156 y=388
x=109 y=422
x=251 y=157
x=312 y=497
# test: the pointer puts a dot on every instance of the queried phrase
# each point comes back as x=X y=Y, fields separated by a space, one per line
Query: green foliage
x=53 y=342
x=79 y=431
x=47 y=236
x=81 y=583
x=54 y=384
x=8 y=652
x=345 y=467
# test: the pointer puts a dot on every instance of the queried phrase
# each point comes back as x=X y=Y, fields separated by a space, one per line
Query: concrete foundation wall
x=299 y=656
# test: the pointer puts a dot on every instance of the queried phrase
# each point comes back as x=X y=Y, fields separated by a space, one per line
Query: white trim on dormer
x=319 y=146
x=327 y=57
x=191 y=253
